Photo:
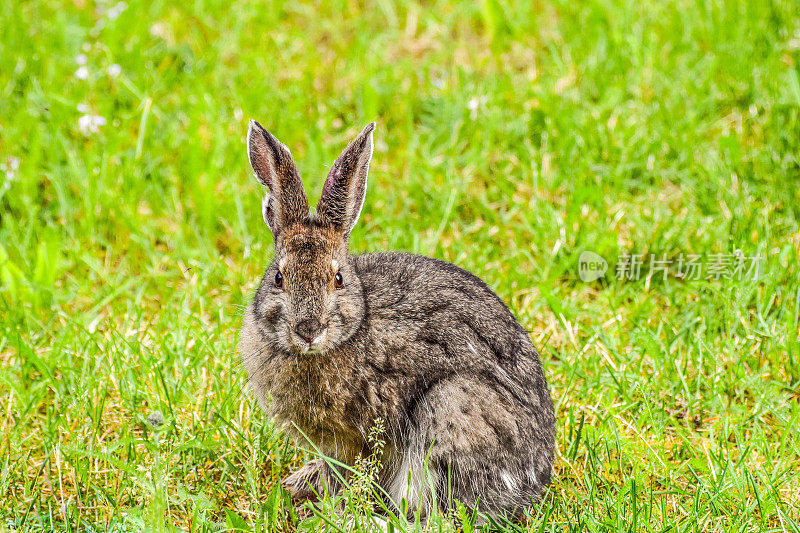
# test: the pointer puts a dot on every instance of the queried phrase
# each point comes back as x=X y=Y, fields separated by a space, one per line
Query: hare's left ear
x=343 y=193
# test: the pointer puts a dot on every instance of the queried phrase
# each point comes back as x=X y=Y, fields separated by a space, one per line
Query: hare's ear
x=286 y=202
x=344 y=189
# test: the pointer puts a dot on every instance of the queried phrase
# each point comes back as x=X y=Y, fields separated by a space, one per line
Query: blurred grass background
x=511 y=137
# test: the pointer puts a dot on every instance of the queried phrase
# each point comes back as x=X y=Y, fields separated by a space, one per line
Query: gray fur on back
x=418 y=343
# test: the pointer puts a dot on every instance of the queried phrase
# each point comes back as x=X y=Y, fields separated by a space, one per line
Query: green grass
x=510 y=139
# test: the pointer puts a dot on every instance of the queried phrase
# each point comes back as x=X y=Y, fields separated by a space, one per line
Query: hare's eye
x=279 y=280
x=338 y=280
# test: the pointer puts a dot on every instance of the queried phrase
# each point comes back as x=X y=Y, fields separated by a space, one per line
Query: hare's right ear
x=286 y=202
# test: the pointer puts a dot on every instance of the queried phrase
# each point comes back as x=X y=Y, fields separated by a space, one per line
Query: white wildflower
x=160 y=29
x=90 y=123
x=474 y=104
x=9 y=167
x=81 y=59
x=82 y=73
x=83 y=108
x=114 y=70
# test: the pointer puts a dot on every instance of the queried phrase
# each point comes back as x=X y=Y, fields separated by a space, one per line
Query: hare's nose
x=308 y=329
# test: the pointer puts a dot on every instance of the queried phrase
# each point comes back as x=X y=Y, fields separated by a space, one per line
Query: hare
x=333 y=342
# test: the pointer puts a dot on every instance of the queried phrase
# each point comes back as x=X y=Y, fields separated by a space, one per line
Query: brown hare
x=333 y=342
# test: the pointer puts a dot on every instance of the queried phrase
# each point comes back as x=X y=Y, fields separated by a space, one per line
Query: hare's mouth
x=315 y=344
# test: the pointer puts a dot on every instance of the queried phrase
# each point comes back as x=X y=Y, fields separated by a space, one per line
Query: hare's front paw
x=310 y=482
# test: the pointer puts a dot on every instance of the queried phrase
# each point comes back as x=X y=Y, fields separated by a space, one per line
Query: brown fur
x=418 y=343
